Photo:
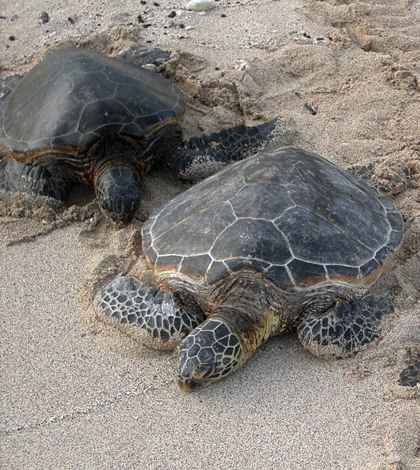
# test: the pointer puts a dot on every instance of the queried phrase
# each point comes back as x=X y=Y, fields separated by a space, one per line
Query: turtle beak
x=119 y=194
x=188 y=385
x=199 y=377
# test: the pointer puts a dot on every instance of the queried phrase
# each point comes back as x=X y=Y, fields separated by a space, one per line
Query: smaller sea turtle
x=281 y=239
x=79 y=115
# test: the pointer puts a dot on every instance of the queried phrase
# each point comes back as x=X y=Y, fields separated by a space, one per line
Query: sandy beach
x=342 y=78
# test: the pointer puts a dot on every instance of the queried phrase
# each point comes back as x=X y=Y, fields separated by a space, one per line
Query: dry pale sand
x=342 y=77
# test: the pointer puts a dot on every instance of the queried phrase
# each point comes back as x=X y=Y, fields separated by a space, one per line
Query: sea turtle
x=281 y=239
x=79 y=115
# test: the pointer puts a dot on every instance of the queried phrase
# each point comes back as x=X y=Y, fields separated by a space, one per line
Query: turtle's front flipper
x=15 y=176
x=410 y=376
x=203 y=156
x=343 y=329
x=161 y=319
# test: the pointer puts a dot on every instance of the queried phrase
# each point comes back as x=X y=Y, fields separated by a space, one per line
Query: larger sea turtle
x=79 y=115
x=281 y=239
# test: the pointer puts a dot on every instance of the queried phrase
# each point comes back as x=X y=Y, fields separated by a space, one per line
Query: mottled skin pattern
x=215 y=348
x=346 y=327
x=82 y=116
x=282 y=239
x=160 y=314
x=410 y=376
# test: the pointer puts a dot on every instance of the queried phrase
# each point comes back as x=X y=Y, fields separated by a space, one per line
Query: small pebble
x=242 y=64
x=156 y=4
x=45 y=17
x=200 y=5
x=311 y=109
x=11 y=38
x=172 y=14
x=140 y=19
x=70 y=20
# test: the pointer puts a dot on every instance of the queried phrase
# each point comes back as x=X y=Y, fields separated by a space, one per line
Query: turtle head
x=118 y=191
x=209 y=353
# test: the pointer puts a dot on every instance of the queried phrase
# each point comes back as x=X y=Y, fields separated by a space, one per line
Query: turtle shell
x=288 y=213
x=74 y=96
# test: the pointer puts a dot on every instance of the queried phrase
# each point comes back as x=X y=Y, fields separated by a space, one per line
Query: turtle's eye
x=202 y=371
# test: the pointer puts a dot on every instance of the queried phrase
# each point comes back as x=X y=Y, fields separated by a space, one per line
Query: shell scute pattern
x=216 y=271
x=397 y=226
x=179 y=211
x=255 y=201
x=345 y=274
x=105 y=113
x=305 y=273
x=77 y=97
x=324 y=242
x=281 y=276
x=288 y=214
x=249 y=238
x=196 y=265
x=168 y=261
x=196 y=237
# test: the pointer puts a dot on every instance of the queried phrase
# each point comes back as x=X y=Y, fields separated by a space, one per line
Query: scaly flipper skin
x=159 y=315
x=224 y=147
x=410 y=376
x=15 y=176
x=345 y=328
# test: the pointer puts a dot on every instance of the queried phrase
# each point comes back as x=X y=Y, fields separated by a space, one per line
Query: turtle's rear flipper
x=203 y=156
x=160 y=318
x=15 y=176
x=345 y=328
x=410 y=376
